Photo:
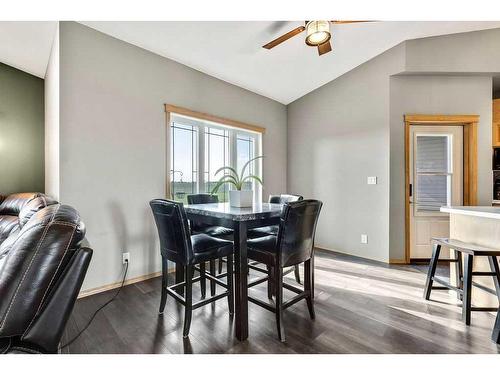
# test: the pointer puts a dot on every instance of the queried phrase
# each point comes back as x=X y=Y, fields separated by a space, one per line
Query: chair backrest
x=173 y=230
x=284 y=198
x=297 y=230
x=202 y=198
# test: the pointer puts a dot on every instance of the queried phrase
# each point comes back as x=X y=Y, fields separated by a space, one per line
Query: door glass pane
x=184 y=157
x=433 y=191
x=216 y=156
x=245 y=151
x=432 y=153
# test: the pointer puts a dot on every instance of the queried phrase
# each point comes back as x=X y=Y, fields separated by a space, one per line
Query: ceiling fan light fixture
x=318 y=32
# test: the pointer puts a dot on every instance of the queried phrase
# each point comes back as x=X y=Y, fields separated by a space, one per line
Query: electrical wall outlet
x=125 y=258
x=372 y=180
x=364 y=238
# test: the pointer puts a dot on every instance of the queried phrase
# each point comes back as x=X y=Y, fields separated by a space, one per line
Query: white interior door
x=436 y=178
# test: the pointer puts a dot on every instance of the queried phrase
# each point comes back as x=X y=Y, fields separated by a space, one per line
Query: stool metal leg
x=496 y=279
x=432 y=270
x=466 y=302
x=495 y=336
x=459 y=272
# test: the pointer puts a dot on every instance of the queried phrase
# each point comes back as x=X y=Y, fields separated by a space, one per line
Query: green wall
x=21 y=131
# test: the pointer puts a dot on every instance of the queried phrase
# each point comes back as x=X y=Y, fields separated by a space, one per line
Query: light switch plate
x=372 y=180
x=364 y=238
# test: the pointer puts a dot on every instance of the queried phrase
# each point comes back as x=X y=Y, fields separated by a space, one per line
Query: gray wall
x=113 y=140
x=338 y=135
x=436 y=95
x=21 y=131
x=342 y=132
x=472 y=52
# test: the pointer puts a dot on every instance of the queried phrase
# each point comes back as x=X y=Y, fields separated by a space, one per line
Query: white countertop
x=480 y=211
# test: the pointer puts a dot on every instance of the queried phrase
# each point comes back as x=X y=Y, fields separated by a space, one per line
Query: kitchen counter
x=478 y=225
x=479 y=211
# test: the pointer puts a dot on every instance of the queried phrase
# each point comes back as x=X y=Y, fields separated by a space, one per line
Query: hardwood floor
x=361 y=307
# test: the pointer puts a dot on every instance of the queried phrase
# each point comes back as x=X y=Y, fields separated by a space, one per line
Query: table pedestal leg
x=240 y=285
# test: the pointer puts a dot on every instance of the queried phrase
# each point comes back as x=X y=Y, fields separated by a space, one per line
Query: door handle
x=411 y=190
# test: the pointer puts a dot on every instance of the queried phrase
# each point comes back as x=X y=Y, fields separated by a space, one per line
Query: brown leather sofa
x=42 y=267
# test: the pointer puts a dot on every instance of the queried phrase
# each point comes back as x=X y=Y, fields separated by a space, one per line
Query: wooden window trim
x=469 y=122
x=169 y=108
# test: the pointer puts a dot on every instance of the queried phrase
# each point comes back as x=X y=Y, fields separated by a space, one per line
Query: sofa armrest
x=48 y=328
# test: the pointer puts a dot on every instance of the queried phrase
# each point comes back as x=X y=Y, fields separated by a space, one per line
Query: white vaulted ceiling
x=232 y=51
x=26 y=45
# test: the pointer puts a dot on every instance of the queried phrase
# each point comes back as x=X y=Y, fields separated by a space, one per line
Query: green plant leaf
x=231 y=177
x=247 y=164
x=223 y=180
x=232 y=170
x=252 y=176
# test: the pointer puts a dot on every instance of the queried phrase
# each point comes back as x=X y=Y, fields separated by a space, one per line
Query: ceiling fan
x=317 y=35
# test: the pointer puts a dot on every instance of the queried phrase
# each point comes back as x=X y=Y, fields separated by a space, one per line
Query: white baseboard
x=104 y=288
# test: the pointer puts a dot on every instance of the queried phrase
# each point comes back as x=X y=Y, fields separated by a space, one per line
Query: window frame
x=201 y=125
x=448 y=174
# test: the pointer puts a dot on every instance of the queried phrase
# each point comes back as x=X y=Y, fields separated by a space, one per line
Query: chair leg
x=495 y=335
x=308 y=288
x=496 y=279
x=179 y=277
x=213 y=287
x=297 y=273
x=220 y=265
x=459 y=274
x=270 y=282
x=230 y=288
x=466 y=302
x=203 y=280
x=312 y=274
x=431 y=271
x=188 y=308
x=278 y=283
x=164 y=284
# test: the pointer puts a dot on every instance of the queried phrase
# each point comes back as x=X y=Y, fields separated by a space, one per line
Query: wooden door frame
x=469 y=123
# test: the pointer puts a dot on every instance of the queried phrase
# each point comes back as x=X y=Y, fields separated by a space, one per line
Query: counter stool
x=463 y=278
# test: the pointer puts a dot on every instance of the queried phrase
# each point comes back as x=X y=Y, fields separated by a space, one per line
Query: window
x=198 y=149
x=433 y=172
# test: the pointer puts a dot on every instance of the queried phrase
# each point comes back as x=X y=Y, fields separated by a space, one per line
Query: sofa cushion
x=17 y=209
x=34 y=205
x=7 y=225
x=14 y=203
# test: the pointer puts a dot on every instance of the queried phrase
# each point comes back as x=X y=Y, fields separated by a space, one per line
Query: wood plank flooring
x=361 y=307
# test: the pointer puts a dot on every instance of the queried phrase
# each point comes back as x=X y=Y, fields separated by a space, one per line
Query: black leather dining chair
x=179 y=246
x=211 y=230
x=294 y=244
x=273 y=229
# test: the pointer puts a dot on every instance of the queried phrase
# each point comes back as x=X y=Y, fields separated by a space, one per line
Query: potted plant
x=237 y=197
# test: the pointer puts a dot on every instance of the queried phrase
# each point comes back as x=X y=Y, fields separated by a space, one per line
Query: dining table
x=239 y=219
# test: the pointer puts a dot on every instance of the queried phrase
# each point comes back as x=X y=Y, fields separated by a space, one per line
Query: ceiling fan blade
x=342 y=22
x=324 y=48
x=284 y=37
